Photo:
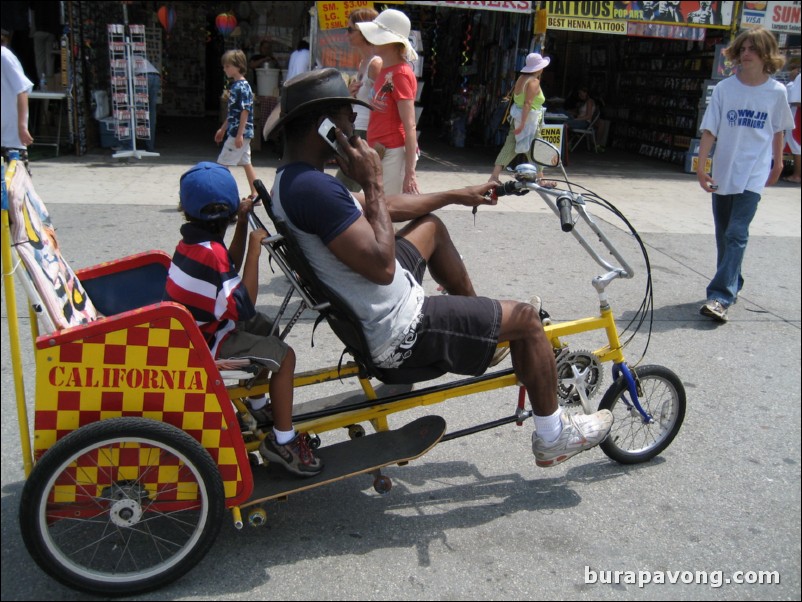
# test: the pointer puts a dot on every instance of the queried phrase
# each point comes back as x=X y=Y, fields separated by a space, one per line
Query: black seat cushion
x=338 y=314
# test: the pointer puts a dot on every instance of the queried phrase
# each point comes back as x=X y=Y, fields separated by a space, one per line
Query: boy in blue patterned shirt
x=237 y=129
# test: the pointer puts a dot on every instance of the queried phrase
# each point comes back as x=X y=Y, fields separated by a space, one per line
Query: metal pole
x=13 y=327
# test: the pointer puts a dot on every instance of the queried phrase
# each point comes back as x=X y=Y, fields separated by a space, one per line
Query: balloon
x=225 y=22
x=167 y=18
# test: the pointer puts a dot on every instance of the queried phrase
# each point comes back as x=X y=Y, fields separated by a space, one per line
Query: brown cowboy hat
x=306 y=91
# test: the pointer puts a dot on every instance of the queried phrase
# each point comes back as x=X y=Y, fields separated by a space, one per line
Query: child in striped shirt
x=204 y=277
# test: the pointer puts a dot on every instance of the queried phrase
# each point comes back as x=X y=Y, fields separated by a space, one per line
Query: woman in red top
x=391 y=130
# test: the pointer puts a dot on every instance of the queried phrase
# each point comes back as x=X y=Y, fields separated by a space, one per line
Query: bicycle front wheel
x=662 y=396
x=122 y=506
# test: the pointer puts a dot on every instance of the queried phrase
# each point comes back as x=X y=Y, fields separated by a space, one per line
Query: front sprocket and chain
x=579 y=376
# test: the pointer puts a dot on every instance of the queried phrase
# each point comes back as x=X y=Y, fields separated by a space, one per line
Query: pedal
x=256 y=459
x=545 y=317
x=247 y=423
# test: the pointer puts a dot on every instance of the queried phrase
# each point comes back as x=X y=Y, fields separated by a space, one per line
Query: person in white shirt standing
x=15 y=89
x=792 y=137
x=361 y=87
x=299 y=59
x=746 y=119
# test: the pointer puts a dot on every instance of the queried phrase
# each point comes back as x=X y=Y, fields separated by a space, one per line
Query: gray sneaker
x=714 y=309
x=503 y=352
x=580 y=432
x=295 y=457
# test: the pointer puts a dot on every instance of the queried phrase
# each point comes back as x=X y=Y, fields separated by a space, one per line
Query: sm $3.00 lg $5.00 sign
x=334 y=15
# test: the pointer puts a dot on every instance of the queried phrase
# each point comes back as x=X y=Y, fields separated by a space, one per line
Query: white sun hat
x=390 y=27
x=535 y=62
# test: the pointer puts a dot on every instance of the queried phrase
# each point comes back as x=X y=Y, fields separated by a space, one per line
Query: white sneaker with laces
x=580 y=432
x=714 y=309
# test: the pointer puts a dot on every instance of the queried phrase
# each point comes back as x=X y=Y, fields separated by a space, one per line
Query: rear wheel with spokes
x=122 y=506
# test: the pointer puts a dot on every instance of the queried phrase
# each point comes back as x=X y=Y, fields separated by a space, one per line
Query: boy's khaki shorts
x=231 y=155
x=252 y=339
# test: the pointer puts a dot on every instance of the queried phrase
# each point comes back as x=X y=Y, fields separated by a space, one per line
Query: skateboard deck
x=351 y=458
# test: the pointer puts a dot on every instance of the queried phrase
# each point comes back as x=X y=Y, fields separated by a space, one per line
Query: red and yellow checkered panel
x=152 y=369
x=125 y=470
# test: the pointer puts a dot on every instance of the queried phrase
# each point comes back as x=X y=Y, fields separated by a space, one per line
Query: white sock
x=257 y=403
x=549 y=428
x=283 y=437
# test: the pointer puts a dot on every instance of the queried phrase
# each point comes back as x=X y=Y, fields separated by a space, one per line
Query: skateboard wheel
x=356 y=430
x=382 y=484
x=314 y=442
x=257 y=517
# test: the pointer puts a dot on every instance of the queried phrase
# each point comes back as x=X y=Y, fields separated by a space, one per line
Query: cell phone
x=327 y=132
x=713 y=186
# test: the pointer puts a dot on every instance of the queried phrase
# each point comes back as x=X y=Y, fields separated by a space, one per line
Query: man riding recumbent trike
x=139 y=450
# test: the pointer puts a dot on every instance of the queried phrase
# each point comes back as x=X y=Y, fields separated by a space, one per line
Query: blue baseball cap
x=207 y=184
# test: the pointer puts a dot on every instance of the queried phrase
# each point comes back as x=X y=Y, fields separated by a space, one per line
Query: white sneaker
x=714 y=309
x=580 y=432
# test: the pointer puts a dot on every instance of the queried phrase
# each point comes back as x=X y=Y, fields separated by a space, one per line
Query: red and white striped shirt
x=202 y=277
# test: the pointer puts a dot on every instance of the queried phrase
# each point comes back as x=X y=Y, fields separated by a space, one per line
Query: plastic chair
x=588 y=133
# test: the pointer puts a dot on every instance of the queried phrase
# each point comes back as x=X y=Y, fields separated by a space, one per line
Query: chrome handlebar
x=571 y=208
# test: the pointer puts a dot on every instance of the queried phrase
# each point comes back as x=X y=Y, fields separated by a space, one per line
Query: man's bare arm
x=404 y=207
x=368 y=245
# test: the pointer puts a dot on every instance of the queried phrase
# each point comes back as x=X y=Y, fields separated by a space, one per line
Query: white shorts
x=231 y=155
x=394 y=165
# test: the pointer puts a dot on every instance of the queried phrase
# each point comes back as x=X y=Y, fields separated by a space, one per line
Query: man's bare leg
x=250 y=173
x=430 y=236
x=532 y=355
x=557 y=436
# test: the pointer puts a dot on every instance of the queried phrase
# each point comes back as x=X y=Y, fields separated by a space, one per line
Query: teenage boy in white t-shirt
x=746 y=119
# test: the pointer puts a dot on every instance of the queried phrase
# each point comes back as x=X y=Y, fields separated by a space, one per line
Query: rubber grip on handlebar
x=564 y=206
x=511 y=187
